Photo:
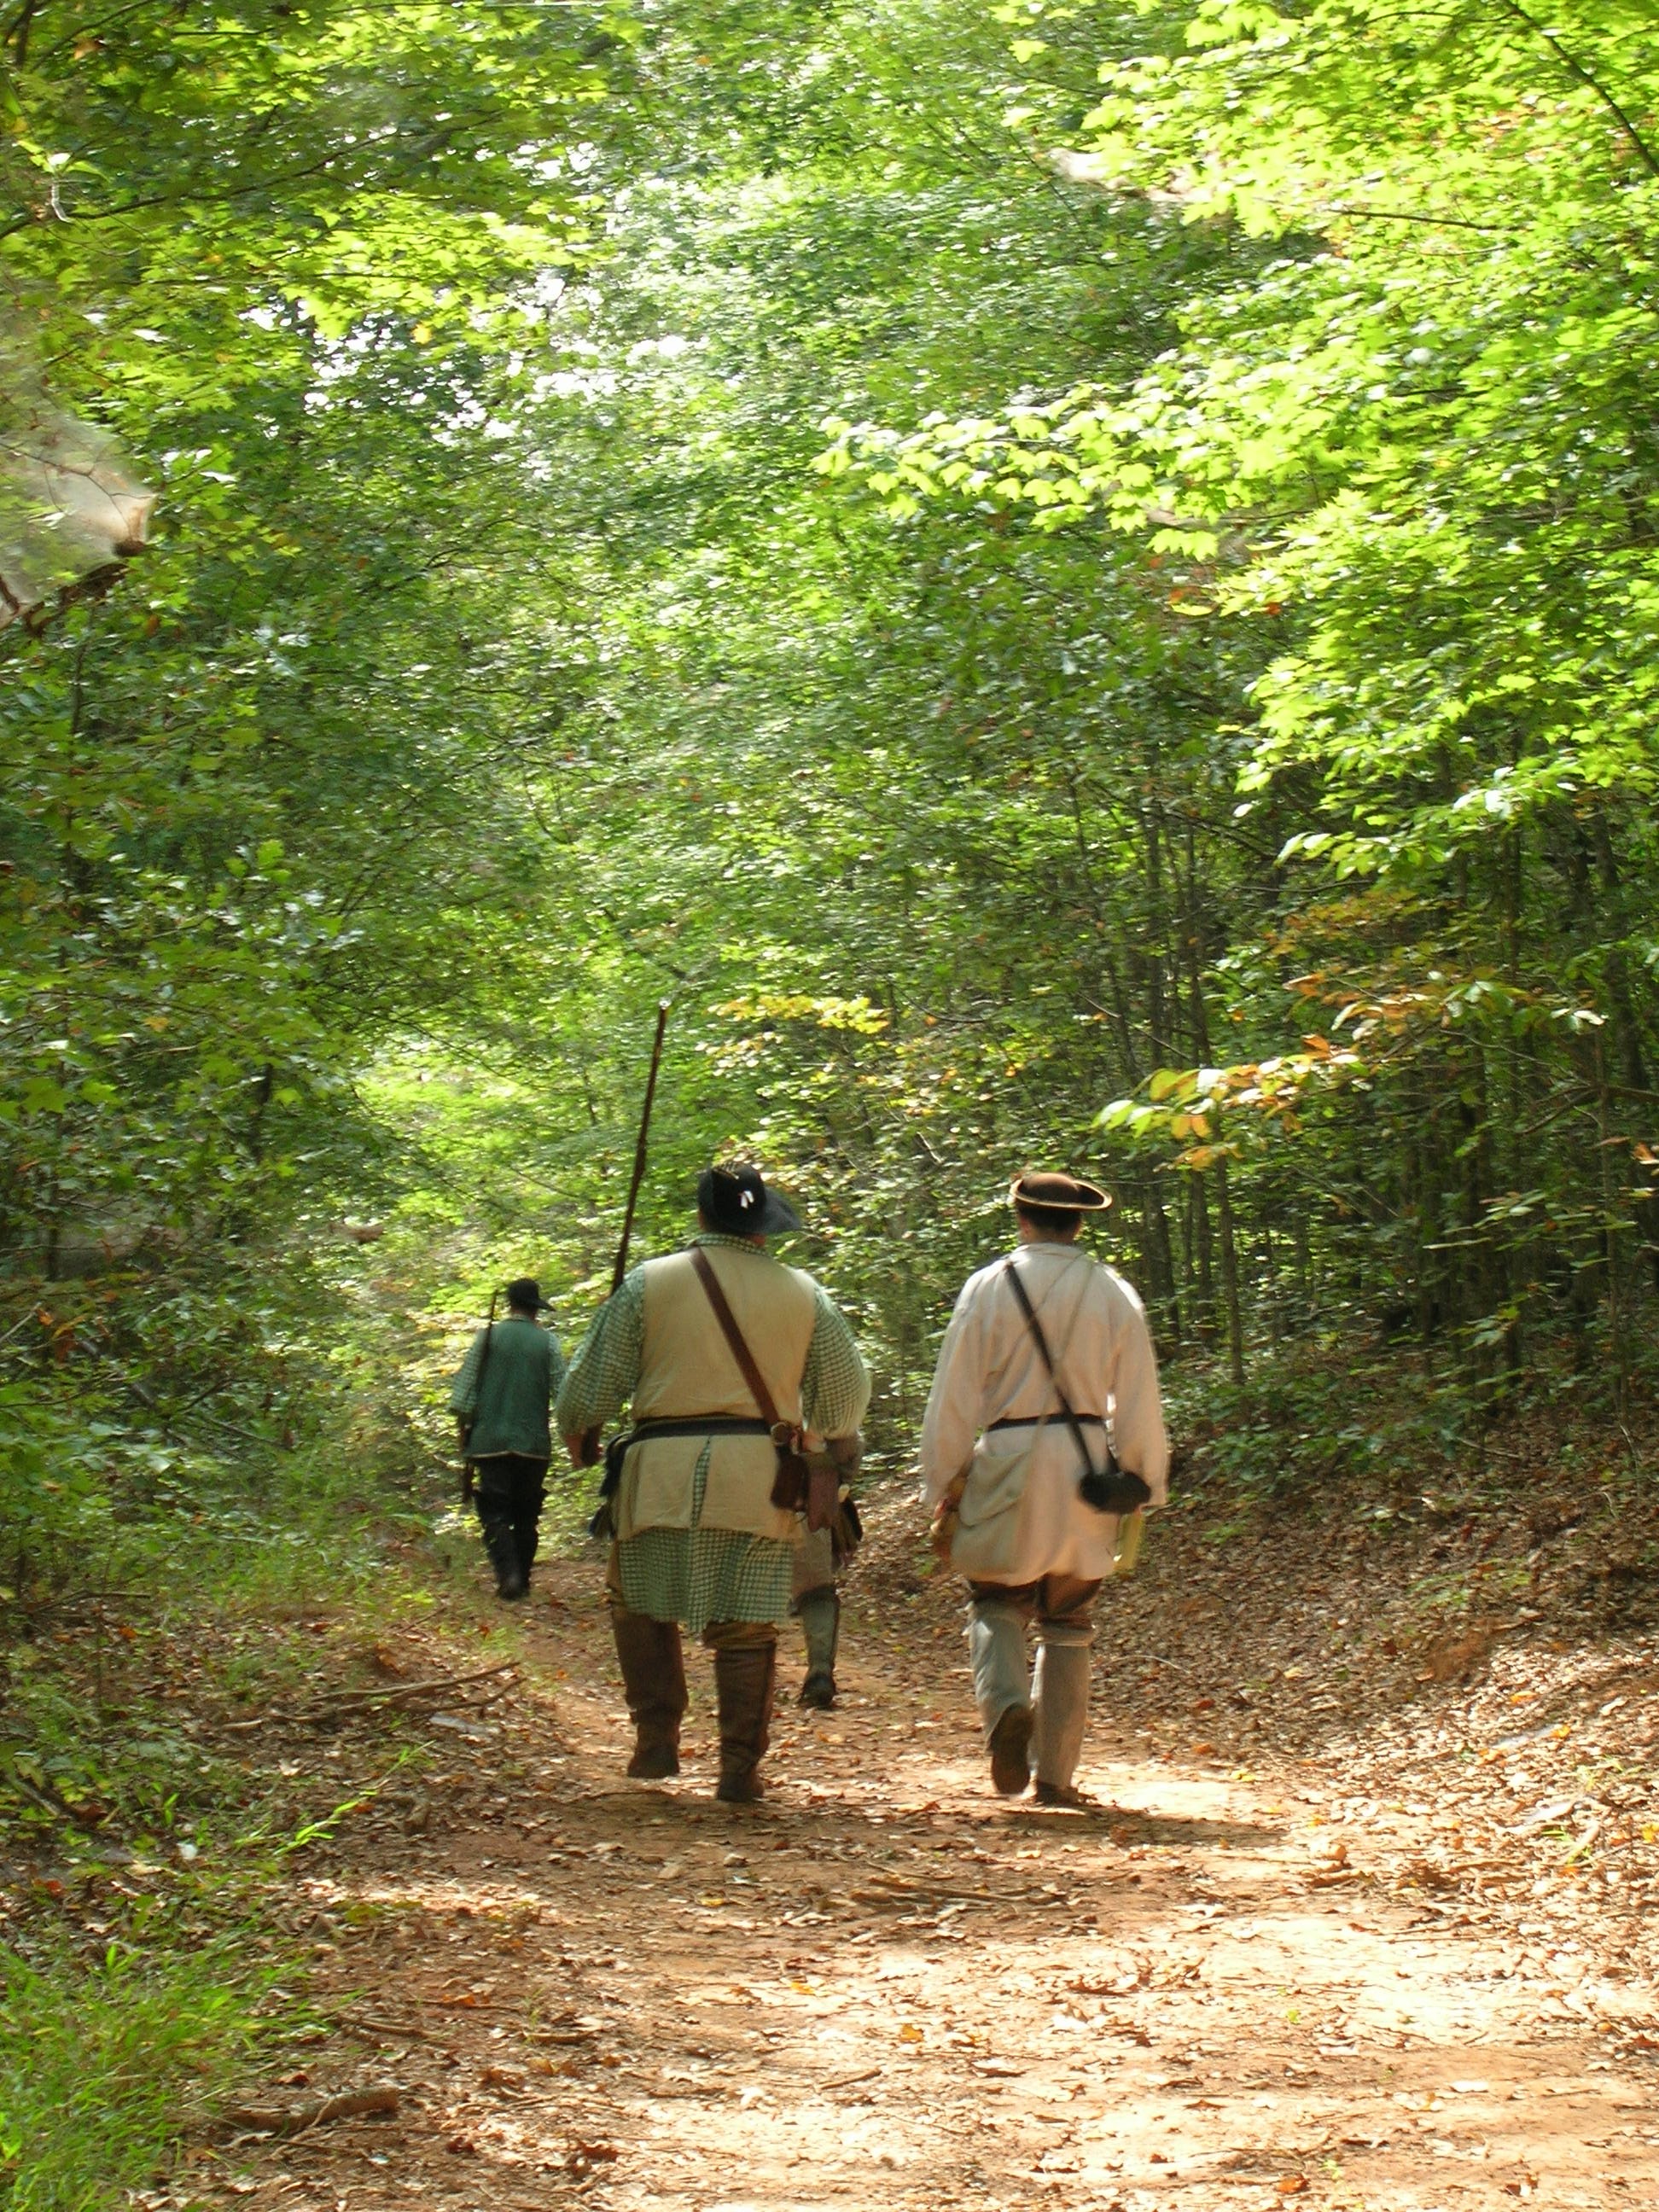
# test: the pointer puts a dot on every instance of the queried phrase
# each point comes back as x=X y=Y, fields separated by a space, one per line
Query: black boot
x=525 y=1536
x=744 y=1680
x=654 y=1680
x=502 y=1548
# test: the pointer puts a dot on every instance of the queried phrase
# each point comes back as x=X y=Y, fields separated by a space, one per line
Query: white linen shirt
x=989 y=1369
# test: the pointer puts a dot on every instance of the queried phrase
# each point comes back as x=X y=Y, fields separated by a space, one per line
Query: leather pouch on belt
x=789 y=1484
x=823 y=1490
x=807 y=1482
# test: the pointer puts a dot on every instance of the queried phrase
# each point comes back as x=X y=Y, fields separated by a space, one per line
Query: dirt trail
x=1246 y=1985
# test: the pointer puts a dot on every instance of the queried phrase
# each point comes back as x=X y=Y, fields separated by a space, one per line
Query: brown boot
x=654 y=1678
x=743 y=1684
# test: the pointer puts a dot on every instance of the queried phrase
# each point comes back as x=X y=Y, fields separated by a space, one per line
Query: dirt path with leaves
x=1369 y=1932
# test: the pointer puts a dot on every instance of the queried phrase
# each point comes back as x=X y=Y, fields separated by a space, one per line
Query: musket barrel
x=619 y=1272
x=590 y=1446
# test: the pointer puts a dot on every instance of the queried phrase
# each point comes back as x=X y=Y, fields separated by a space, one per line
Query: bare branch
x=1576 y=69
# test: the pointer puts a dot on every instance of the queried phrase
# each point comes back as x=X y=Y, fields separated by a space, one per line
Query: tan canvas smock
x=686 y=1368
x=1021 y=1515
x=693 y=1573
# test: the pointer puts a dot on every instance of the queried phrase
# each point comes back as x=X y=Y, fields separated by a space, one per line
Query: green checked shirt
x=697 y=1575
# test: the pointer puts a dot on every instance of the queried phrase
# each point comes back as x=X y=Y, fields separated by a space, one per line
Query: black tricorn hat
x=1041 y=1193
x=525 y=1292
x=735 y=1200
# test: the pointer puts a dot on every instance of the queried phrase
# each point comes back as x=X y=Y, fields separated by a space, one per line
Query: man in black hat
x=501 y=1400
x=721 y=1350
x=1044 y=1432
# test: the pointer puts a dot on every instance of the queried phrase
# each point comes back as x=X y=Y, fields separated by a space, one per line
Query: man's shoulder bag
x=806 y=1482
x=1110 y=1489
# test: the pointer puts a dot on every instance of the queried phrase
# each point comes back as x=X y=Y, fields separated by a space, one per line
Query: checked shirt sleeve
x=600 y=1379
x=835 y=1385
x=464 y=1392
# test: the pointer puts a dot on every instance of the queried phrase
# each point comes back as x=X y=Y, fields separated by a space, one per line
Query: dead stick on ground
x=333 y=1699
x=271 y=2119
x=343 y=1702
x=357 y=2023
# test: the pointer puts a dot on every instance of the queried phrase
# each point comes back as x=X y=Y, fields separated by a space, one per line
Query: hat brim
x=778 y=1217
x=1090 y=1200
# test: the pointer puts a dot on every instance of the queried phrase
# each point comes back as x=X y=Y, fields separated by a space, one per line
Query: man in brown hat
x=1044 y=1427
x=718 y=1348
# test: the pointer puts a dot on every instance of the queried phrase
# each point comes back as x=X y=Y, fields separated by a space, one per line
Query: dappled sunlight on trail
x=884 y=1985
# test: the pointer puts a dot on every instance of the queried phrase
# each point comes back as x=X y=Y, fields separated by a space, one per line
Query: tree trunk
x=1610 y=1218
x=1161 y=1256
x=1229 y=1274
x=1198 y=1214
x=1192 y=948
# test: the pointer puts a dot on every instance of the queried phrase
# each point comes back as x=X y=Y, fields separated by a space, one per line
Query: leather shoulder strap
x=740 y=1352
x=1041 y=1343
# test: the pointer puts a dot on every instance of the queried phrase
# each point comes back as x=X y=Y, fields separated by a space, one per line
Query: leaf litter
x=1377 y=1933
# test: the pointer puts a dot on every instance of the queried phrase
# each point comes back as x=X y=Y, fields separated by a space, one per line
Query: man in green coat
x=501 y=1400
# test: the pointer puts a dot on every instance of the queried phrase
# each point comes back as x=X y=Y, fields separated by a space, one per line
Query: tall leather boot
x=502 y=1549
x=654 y=1680
x=527 y=1539
x=1062 y=1709
x=744 y=1680
x=819 y=1613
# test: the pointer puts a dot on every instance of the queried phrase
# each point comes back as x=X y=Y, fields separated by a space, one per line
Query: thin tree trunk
x=1161 y=1255
x=1192 y=945
x=1626 y=1026
x=1615 y=1308
x=1199 y=1214
x=1228 y=1273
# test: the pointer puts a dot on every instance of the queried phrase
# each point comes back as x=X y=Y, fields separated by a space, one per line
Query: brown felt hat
x=1041 y=1193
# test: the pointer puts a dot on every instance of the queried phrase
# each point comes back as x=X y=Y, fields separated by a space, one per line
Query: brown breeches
x=1052 y=1601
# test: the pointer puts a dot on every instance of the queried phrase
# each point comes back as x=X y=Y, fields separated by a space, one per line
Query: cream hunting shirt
x=989 y=1370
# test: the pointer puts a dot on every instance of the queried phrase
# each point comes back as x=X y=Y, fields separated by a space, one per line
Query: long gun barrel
x=469 y=1466
x=590 y=1452
x=618 y=1273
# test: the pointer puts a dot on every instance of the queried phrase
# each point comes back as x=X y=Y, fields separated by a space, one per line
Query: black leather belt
x=687 y=1425
x=1046 y=1420
x=699 y=1424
